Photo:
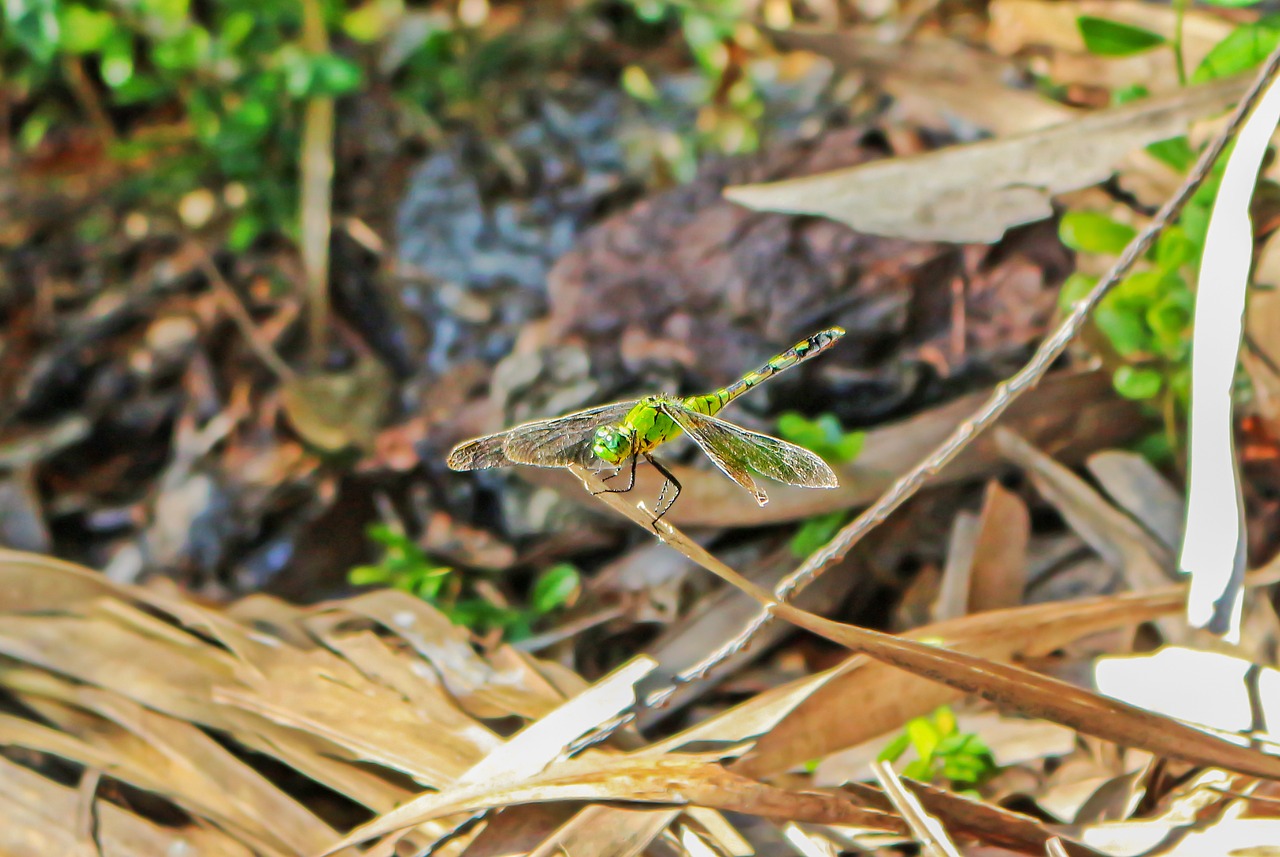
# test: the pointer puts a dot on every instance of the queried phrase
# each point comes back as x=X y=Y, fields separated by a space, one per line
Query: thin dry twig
x=240 y=316
x=1006 y=392
x=928 y=831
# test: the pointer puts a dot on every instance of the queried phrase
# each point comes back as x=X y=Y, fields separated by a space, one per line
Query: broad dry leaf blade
x=976 y=192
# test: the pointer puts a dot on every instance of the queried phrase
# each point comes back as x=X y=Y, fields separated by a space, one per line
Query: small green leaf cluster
x=230 y=77
x=825 y=436
x=942 y=750
x=1147 y=316
x=405 y=566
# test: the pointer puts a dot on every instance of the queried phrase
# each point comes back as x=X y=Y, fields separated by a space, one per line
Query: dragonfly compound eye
x=612 y=444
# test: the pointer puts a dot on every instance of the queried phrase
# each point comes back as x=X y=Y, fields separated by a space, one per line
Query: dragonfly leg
x=630 y=484
x=671 y=480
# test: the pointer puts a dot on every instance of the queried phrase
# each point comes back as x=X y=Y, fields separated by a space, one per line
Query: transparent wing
x=545 y=443
x=735 y=450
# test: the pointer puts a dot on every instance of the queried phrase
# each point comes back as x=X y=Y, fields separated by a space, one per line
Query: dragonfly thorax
x=613 y=444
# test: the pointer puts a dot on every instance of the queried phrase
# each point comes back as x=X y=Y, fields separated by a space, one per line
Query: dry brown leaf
x=339 y=411
x=684 y=780
x=33 y=823
x=1114 y=535
x=975 y=192
x=1009 y=687
x=952 y=77
x=1019 y=24
x=886 y=697
x=1000 y=560
x=1133 y=483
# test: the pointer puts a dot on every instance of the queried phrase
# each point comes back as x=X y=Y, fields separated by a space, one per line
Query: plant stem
x=316 y=193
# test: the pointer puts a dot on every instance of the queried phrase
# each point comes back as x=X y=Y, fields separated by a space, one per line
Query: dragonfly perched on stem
x=620 y=434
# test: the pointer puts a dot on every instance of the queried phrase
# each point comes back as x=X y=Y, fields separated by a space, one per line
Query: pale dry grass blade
x=927 y=830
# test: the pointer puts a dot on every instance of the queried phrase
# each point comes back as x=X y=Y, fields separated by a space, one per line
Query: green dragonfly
x=621 y=433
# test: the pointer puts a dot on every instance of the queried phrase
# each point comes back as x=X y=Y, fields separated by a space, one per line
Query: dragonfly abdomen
x=713 y=402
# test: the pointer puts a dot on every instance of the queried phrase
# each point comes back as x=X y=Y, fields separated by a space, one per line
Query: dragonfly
x=620 y=434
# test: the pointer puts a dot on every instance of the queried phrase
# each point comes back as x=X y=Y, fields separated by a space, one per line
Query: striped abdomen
x=712 y=403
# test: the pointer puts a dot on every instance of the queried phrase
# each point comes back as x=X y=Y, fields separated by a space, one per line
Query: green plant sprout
x=825 y=436
x=942 y=750
x=405 y=566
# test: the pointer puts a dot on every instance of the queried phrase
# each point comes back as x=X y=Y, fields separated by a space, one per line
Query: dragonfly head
x=612 y=444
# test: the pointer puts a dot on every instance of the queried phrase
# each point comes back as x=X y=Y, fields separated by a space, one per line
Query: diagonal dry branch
x=1006 y=392
x=1005 y=685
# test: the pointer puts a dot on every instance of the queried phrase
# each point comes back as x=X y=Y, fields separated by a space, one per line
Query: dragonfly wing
x=546 y=443
x=767 y=455
x=721 y=454
x=480 y=453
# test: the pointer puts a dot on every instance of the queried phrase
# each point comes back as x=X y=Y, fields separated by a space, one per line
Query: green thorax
x=649 y=426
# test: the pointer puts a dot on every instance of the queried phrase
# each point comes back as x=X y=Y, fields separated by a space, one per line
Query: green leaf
x=823 y=435
x=244 y=231
x=945 y=719
x=1094 y=232
x=1194 y=221
x=555 y=587
x=1244 y=48
x=1174 y=249
x=367 y=575
x=1232 y=4
x=1137 y=382
x=924 y=736
x=1155 y=447
x=1128 y=94
x=1170 y=321
x=894 y=749
x=33 y=24
x=139 y=89
x=1141 y=289
x=1123 y=326
x=1176 y=152
x=920 y=769
x=1108 y=38
x=1074 y=289
x=816 y=532
x=369 y=22
x=84 y=30
x=117 y=59
x=184 y=52
x=334 y=76
x=169 y=12
x=234 y=29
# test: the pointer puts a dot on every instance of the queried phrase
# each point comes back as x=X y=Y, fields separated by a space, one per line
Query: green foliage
x=1243 y=49
x=1093 y=232
x=729 y=109
x=1108 y=38
x=816 y=532
x=1147 y=316
x=234 y=74
x=942 y=750
x=405 y=566
x=823 y=435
